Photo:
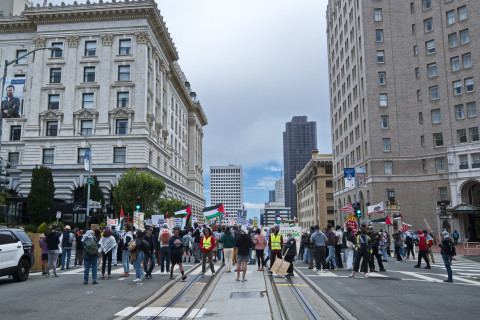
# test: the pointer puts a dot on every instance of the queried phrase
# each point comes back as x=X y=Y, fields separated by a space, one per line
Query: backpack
x=91 y=246
x=196 y=236
x=165 y=236
x=132 y=246
x=449 y=248
x=71 y=238
x=409 y=240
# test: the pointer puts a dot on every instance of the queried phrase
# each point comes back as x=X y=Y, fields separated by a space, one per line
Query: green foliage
x=31 y=228
x=42 y=228
x=3 y=195
x=41 y=194
x=169 y=205
x=135 y=183
x=96 y=193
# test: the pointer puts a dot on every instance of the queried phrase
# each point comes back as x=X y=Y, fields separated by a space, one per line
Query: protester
x=149 y=253
x=98 y=235
x=362 y=250
x=175 y=244
x=67 y=243
x=409 y=243
x=107 y=244
x=164 y=238
x=456 y=236
x=53 y=241
x=115 y=249
x=187 y=241
x=398 y=243
x=447 y=251
x=375 y=242
x=383 y=244
x=338 y=246
x=78 y=248
x=43 y=246
x=251 y=233
x=429 y=240
x=228 y=242
x=275 y=245
x=422 y=250
x=290 y=252
x=90 y=256
x=207 y=244
x=141 y=246
x=196 y=243
x=319 y=239
x=349 y=247
x=236 y=234
x=126 y=239
x=260 y=243
x=243 y=245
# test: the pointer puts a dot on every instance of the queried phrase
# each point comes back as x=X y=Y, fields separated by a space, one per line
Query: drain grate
x=247 y=295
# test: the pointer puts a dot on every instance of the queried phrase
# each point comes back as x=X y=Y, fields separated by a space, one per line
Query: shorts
x=243 y=258
x=186 y=249
x=175 y=258
x=44 y=256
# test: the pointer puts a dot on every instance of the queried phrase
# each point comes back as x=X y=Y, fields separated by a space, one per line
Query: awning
x=465 y=208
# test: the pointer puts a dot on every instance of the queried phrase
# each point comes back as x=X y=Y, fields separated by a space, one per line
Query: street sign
x=95 y=204
x=446 y=217
x=59 y=214
x=90 y=181
x=353 y=224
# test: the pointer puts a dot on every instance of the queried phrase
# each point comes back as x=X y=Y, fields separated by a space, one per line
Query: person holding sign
x=290 y=252
x=275 y=245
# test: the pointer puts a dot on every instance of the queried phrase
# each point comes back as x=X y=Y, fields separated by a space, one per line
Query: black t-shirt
x=243 y=243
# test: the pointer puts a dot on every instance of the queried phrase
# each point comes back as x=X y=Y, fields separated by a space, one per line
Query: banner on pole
x=12 y=98
x=361 y=174
x=349 y=175
x=377 y=208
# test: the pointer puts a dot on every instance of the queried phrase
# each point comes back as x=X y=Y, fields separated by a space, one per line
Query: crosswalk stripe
x=126 y=312
x=420 y=276
x=149 y=312
x=469 y=274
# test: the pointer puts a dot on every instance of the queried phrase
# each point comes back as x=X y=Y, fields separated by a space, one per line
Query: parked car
x=16 y=254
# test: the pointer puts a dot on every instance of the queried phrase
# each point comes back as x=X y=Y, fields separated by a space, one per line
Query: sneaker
x=137 y=280
x=310 y=268
x=94 y=282
x=237 y=279
x=262 y=269
x=244 y=280
x=172 y=277
x=325 y=270
x=416 y=266
x=85 y=282
x=213 y=273
x=56 y=276
x=317 y=270
x=184 y=277
x=62 y=268
x=351 y=275
x=383 y=270
x=448 y=280
x=47 y=275
x=365 y=275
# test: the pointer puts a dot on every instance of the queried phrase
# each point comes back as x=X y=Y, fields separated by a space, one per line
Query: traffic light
x=358 y=210
x=4 y=173
x=443 y=206
x=138 y=204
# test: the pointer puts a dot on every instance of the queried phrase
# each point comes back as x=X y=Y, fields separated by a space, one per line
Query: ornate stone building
x=116 y=79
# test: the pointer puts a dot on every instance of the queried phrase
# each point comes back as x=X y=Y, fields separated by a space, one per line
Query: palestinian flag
x=215 y=211
x=279 y=220
x=292 y=224
x=122 y=219
x=382 y=221
x=400 y=217
x=183 y=212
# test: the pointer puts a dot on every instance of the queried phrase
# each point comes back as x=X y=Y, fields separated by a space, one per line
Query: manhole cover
x=247 y=295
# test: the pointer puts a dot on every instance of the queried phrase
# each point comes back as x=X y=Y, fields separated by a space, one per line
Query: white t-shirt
x=339 y=235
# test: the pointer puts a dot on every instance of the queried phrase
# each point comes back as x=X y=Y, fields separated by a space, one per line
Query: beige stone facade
x=315 y=192
x=403 y=76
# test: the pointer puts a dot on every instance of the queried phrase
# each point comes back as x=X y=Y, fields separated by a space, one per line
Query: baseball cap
x=244 y=229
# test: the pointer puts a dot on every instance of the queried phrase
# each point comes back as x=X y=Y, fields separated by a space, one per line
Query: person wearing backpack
x=456 y=236
x=164 y=239
x=67 y=244
x=90 y=256
x=127 y=237
x=447 y=251
x=197 y=235
x=141 y=246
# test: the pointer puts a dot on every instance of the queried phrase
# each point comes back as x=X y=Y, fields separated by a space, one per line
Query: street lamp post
x=89 y=174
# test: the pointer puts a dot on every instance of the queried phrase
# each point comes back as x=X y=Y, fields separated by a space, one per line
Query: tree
x=133 y=184
x=96 y=193
x=41 y=195
x=169 y=205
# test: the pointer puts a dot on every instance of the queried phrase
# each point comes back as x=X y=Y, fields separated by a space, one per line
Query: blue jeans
x=219 y=254
x=90 y=263
x=151 y=256
x=251 y=261
x=384 y=252
x=66 y=252
x=165 y=259
x=402 y=252
x=331 y=256
x=446 y=261
x=305 y=256
x=126 y=260
x=137 y=265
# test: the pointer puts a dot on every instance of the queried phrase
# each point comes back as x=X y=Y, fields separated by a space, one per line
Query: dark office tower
x=271 y=196
x=299 y=140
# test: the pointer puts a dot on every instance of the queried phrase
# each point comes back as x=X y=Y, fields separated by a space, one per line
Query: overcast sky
x=253 y=64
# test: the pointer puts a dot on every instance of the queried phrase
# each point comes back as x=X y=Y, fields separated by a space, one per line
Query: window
x=415 y=50
x=119 y=155
x=53 y=101
x=87 y=127
x=442 y=193
x=432 y=70
x=386 y=144
x=87 y=101
x=15 y=133
x=464 y=37
x=412 y=7
x=55 y=75
x=451 y=17
x=467 y=60
x=422 y=141
x=469 y=86
x=378 y=14
x=379 y=35
x=434 y=93
x=455 y=63
x=459 y=112
x=52 y=128
x=420 y=117
x=428 y=24
x=57 y=53
x=21 y=53
x=417 y=73
x=89 y=74
x=382 y=78
x=430 y=45
x=383 y=100
x=124 y=73
x=414 y=29
x=380 y=56
x=81 y=155
x=473 y=134
x=424 y=164
x=440 y=164
x=419 y=95
x=463 y=159
x=388 y=167
x=436 y=116
x=125 y=46
x=48 y=156
x=14 y=159
x=462 y=13
x=90 y=48
x=462 y=135
x=475 y=160
x=438 y=139
x=452 y=40
x=427 y=4
x=384 y=121
x=123 y=99
x=471 y=109
x=457 y=87
x=121 y=126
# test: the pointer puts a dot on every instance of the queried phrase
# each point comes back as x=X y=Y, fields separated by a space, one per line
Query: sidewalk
x=239 y=300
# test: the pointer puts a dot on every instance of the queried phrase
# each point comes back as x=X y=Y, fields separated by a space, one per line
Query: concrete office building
x=403 y=103
x=116 y=79
x=299 y=140
x=226 y=186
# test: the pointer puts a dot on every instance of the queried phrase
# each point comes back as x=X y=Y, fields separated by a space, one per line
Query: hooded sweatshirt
x=422 y=245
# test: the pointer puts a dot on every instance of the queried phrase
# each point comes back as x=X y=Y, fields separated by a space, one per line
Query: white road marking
x=420 y=276
x=126 y=312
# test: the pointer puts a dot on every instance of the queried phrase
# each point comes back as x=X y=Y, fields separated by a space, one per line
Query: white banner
x=112 y=222
x=158 y=220
x=376 y=208
x=296 y=231
x=138 y=220
x=86 y=159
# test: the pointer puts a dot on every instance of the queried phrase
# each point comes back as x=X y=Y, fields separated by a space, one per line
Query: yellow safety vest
x=207 y=243
x=275 y=242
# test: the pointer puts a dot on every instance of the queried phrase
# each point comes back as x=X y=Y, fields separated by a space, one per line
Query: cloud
x=267 y=182
x=273 y=168
x=254 y=206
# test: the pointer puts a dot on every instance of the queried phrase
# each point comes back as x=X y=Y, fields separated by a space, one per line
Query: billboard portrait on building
x=12 y=97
